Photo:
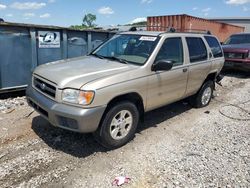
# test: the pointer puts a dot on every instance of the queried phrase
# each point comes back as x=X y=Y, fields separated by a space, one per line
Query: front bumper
x=65 y=116
x=235 y=64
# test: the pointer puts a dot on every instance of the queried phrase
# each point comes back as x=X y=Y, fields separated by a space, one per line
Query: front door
x=165 y=87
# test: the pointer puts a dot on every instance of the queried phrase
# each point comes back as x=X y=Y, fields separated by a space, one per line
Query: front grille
x=234 y=55
x=44 y=87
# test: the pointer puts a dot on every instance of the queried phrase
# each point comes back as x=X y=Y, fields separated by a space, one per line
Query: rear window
x=214 y=45
x=197 y=49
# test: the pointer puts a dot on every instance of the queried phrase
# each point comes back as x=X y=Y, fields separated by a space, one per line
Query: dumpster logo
x=48 y=39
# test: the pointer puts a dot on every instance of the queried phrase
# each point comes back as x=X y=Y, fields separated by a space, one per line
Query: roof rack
x=174 y=30
x=134 y=28
x=197 y=31
x=171 y=29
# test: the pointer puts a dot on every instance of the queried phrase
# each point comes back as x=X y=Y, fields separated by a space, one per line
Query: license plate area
x=229 y=64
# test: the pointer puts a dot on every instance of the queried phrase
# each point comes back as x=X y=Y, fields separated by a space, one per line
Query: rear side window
x=197 y=49
x=214 y=45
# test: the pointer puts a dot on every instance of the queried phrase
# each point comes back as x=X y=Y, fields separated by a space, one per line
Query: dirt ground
x=176 y=146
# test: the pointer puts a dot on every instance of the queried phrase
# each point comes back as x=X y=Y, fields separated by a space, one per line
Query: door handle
x=184 y=70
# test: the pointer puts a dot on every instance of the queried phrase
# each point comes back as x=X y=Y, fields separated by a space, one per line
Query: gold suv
x=108 y=91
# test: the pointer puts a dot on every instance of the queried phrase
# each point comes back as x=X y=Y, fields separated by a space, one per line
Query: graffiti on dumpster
x=48 y=39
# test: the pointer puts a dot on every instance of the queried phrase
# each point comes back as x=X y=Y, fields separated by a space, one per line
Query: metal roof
x=11 y=24
x=230 y=18
x=241 y=34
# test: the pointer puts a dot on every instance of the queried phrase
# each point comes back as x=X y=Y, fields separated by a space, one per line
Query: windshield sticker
x=148 y=38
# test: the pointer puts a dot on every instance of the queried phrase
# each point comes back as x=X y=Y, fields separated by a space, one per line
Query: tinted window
x=197 y=49
x=238 y=39
x=171 y=50
x=214 y=45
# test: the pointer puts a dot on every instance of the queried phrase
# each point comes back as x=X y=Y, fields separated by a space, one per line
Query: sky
x=113 y=12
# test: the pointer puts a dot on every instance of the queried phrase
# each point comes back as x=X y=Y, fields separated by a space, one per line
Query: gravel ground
x=176 y=146
x=8 y=105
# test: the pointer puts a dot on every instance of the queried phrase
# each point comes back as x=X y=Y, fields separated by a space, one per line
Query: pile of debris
x=8 y=105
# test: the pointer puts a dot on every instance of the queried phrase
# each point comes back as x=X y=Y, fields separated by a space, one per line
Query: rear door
x=200 y=63
x=218 y=58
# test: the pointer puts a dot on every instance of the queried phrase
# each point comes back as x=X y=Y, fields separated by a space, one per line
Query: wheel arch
x=210 y=77
x=131 y=97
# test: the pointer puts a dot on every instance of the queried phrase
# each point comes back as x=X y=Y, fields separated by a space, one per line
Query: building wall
x=186 y=23
x=240 y=22
x=220 y=30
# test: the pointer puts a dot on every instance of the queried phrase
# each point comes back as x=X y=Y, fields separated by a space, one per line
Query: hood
x=76 y=72
x=236 y=47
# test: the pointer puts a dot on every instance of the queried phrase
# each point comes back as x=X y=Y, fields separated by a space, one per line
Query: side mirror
x=162 y=65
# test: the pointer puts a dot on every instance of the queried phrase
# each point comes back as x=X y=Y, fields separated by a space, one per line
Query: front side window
x=197 y=49
x=171 y=50
x=215 y=46
x=128 y=48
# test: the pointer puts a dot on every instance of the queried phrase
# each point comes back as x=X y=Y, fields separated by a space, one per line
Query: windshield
x=124 y=48
x=238 y=39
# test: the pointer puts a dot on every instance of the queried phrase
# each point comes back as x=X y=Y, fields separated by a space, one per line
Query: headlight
x=77 y=96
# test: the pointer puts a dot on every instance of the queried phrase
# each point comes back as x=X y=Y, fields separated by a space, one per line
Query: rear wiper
x=117 y=59
x=99 y=56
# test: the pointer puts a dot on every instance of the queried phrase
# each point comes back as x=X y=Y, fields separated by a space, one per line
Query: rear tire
x=118 y=126
x=204 y=95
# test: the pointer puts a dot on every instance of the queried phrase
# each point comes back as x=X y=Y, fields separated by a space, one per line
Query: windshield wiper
x=110 y=57
x=99 y=56
x=117 y=59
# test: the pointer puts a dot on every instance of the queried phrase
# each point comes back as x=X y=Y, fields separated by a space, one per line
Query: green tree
x=88 y=20
x=78 y=27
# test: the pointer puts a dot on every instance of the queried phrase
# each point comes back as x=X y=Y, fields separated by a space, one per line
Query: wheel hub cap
x=121 y=124
x=206 y=96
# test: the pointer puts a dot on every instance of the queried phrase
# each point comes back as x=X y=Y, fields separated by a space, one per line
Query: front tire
x=204 y=96
x=118 y=125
